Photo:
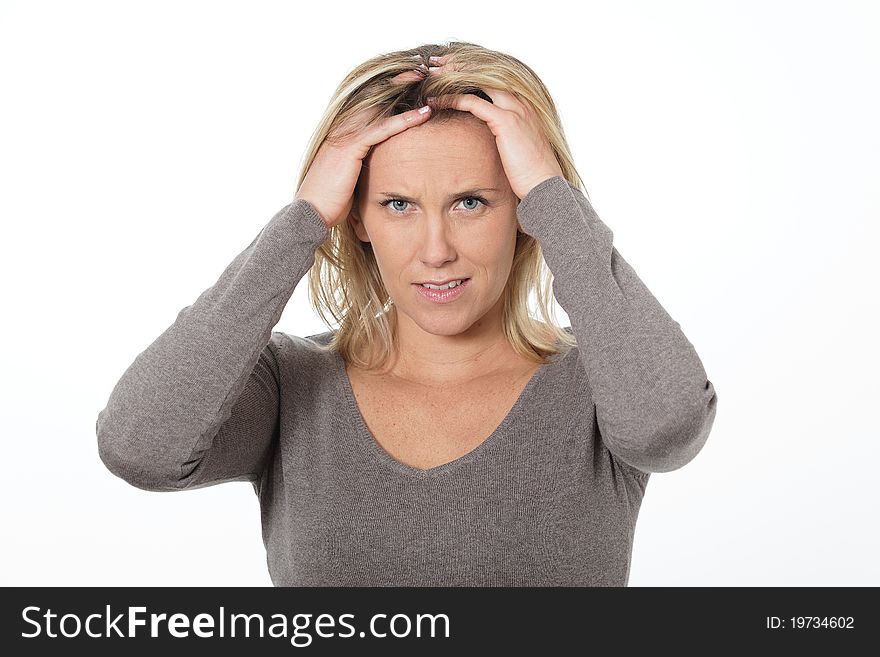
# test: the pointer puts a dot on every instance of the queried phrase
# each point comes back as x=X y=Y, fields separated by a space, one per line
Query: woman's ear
x=354 y=218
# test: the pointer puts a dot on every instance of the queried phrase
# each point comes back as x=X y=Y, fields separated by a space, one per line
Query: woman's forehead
x=448 y=147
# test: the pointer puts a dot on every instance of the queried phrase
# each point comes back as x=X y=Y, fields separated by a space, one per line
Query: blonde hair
x=345 y=281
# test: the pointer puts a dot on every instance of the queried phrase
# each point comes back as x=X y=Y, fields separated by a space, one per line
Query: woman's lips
x=443 y=296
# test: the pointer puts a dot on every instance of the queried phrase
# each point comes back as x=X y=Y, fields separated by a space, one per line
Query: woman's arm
x=199 y=406
x=654 y=405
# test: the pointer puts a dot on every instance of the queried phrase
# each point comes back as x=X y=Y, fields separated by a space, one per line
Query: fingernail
x=435 y=58
x=424 y=109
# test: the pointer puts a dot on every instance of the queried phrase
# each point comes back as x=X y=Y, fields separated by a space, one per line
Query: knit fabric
x=550 y=498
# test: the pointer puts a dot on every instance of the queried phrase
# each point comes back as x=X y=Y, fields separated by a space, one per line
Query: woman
x=438 y=437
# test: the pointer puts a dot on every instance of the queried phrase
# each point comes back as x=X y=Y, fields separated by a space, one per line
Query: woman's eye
x=395 y=203
x=392 y=200
x=472 y=198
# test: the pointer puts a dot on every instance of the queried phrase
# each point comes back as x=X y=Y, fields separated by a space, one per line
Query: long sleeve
x=654 y=404
x=199 y=406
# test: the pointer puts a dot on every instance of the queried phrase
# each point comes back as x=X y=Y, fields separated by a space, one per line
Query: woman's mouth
x=443 y=296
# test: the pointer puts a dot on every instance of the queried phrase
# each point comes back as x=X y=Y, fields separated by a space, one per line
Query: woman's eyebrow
x=467 y=192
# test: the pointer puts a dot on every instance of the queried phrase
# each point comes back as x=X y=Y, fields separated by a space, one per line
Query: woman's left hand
x=526 y=155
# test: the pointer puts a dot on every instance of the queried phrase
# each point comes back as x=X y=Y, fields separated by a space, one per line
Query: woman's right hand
x=330 y=181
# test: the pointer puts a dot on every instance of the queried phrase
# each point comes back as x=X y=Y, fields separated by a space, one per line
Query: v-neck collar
x=385 y=459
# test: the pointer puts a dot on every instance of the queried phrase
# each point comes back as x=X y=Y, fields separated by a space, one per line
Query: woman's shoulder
x=566 y=352
x=303 y=351
x=322 y=339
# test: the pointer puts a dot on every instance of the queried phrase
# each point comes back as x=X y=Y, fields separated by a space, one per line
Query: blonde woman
x=441 y=435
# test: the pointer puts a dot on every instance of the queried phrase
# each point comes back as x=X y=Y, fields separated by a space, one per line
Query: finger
x=392 y=125
x=407 y=76
x=480 y=108
x=504 y=99
x=437 y=64
x=442 y=63
x=501 y=99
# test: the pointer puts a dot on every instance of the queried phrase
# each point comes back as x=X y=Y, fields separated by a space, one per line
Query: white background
x=732 y=147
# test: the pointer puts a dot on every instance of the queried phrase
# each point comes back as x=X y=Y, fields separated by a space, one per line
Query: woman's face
x=436 y=205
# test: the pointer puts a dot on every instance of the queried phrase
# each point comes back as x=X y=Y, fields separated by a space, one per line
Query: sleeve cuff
x=308 y=222
x=538 y=196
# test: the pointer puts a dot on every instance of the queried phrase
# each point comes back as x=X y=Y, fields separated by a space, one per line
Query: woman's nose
x=437 y=240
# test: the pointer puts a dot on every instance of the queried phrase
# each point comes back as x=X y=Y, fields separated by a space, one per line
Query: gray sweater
x=549 y=499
